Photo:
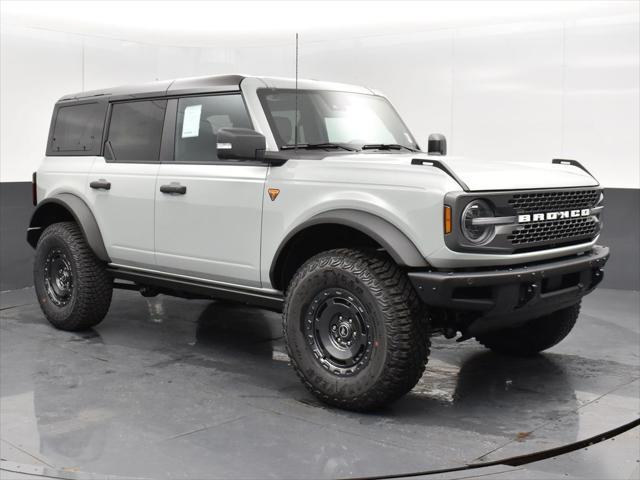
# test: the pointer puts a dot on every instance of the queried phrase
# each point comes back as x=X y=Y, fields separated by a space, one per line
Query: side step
x=194 y=288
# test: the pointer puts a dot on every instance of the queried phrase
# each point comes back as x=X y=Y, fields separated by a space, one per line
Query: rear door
x=208 y=211
x=122 y=184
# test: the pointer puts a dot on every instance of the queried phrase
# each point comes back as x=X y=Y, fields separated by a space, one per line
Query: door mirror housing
x=437 y=144
x=240 y=144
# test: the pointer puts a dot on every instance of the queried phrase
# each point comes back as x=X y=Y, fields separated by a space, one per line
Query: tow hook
x=530 y=291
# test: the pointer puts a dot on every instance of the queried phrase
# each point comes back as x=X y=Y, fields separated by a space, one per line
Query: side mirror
x=240 y=144
x=437 y=144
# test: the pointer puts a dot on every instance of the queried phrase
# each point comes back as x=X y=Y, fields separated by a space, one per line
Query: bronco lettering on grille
x=565 y=214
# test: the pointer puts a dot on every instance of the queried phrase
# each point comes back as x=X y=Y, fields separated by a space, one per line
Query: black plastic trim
x=167 y=143
x=173 y=189
x=188 y=287
x=503 y=299
x=395 y=242
x=82 y=215
x=575 y=163
x=100 y=185
x=442 y=166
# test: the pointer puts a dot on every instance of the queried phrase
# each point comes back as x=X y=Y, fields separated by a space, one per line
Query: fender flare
x=393 y=240
x=81 y=213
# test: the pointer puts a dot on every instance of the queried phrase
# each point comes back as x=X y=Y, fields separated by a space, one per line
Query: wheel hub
x=339 y=332
x=58 y=277
x=344 y=331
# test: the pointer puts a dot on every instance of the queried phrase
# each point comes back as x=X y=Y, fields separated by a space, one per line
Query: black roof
x=183 y=86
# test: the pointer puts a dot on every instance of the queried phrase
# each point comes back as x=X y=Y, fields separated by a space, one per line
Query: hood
x=482 y=175
x=487 y=175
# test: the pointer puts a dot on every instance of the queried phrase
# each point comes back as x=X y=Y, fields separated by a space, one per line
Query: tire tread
x=407 y=337
x=94 y=285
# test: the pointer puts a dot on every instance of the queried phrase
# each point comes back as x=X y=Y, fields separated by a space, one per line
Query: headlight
x=476 y=232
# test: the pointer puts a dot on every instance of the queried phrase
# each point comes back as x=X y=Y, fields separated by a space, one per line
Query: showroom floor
x=170 y=388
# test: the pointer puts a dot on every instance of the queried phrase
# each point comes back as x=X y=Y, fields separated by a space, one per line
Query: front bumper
x=514 y=294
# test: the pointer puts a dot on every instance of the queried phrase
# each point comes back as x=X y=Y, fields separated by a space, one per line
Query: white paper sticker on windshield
x=191 y=121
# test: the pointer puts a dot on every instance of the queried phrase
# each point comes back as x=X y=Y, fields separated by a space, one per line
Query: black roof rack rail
x=442 y=166
x=575 y=163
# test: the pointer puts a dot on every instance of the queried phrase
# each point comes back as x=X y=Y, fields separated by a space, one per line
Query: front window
x=352 y=120
x=198 y=122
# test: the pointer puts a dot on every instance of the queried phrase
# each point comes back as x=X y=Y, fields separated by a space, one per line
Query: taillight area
x=34 y=189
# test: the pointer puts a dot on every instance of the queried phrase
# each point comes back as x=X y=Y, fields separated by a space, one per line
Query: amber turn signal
x=273 y=193
x=447 y=219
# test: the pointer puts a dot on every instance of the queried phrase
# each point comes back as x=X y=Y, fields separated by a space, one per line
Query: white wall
x=515 y=91
x=524 y=91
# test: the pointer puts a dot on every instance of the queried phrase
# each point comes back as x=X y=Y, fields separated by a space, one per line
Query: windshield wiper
x=317 y=146
x=386 y=146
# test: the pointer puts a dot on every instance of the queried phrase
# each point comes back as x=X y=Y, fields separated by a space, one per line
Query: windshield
x=352 y=120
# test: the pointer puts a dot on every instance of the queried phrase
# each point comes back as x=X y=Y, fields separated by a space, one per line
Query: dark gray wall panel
x=16 y=256
x=621 y=233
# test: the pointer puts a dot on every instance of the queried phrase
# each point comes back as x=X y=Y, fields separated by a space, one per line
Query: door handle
x=173 y=188
x=101 y=184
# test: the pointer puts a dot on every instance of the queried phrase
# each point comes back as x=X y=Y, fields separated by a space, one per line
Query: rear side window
x=135 y=131
x=198 y=122
x=77 y=129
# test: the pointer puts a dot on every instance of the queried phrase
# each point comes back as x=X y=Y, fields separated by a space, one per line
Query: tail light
x=34 y=189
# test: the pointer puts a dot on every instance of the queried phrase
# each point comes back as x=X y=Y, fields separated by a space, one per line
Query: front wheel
x=72 y=284
x=534 y=336
x=355 y=330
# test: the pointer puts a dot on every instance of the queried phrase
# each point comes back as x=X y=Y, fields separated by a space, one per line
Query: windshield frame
x=263 y=92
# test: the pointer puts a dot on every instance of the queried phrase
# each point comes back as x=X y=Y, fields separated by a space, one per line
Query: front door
x=208 y=211
x=122 y=185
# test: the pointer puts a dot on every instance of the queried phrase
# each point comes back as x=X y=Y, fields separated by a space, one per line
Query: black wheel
x=534 y=336
x=356 y=332
x=73 y=287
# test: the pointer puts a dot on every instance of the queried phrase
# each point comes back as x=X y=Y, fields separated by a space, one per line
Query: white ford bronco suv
x=313 y=199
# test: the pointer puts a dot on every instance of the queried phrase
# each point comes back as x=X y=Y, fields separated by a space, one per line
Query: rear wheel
x=355 y=330
x=534 y=336
x=72 y=284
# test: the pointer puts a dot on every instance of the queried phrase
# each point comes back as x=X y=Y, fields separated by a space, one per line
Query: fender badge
x=273 y=193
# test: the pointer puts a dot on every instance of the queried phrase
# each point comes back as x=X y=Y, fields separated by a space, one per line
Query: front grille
x=553 y=233
x=553 y=201
x=558 y=231
x=514 y=234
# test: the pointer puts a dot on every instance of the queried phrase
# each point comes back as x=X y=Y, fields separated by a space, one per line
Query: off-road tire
x=401 y=344
x=534 y=336
x=92 y=287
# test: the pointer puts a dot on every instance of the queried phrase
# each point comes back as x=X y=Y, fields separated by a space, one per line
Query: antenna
x=295 y=131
